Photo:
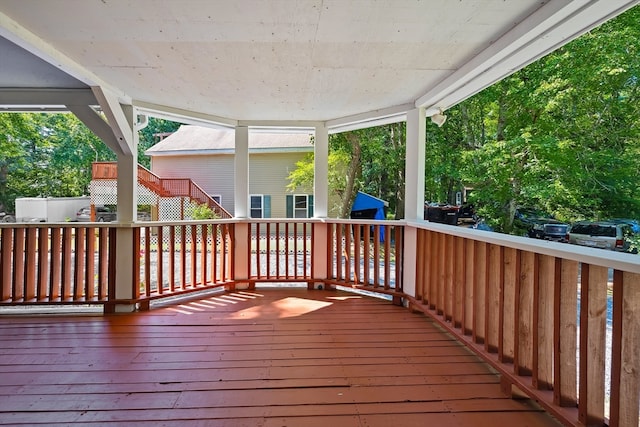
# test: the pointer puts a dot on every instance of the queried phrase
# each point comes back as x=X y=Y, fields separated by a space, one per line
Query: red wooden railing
x=514 y=301
x=164 y=187
x=54 y=264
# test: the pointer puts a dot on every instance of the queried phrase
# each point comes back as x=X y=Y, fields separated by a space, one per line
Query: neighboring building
x=206 y=156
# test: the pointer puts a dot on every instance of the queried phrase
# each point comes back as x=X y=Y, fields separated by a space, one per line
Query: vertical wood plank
x=66 y=292
x=543 y=373
x=278 y=249
x=593 y=318
x=90 y=268
x=172 y=258
x=458 y=285
x=135 y=273
x=449 y=279
x=340 y=254
x=387 y=258
x=367 y=255
x=193 y=249
x=510 y=278
x=103 y=263
x=433 y=270
x=43 y=265
x=78 y=263
x=18 y=264
x=55 y=282
x=31 y=256
x=441 y=279
x=625 y=370
x=286 y=251
x=469 y=281
x=565 y=334
x=183 y=257
x=147 y=262
x=357 y=274
x=213 y=254
x=204 y=237
x=6 y=252
x=528 y=269
x=480 y=293
x=493 y=286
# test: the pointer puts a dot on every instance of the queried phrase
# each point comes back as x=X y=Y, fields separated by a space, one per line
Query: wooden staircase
x=163 y=187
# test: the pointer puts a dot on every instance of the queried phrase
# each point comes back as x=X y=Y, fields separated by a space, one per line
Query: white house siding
x=268 y=175
x=214 y=174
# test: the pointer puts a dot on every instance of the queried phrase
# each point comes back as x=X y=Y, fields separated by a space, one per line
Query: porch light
x=439 y=118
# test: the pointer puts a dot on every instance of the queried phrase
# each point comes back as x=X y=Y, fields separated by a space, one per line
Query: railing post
x=123 y=273
x=240 y=261
x=320 y=246
x=409 y=267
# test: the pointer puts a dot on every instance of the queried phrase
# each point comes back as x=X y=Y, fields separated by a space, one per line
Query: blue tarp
x=366 y=201
x=367 y=206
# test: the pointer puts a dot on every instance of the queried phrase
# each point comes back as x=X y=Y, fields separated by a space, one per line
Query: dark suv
x=540 y=225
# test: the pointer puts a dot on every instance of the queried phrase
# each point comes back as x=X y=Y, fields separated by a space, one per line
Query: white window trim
x=306 y=206
x=251 y=208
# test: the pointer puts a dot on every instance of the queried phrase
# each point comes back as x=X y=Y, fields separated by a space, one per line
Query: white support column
x=321 y=173
x=241 y=210
x=414 y=193
x=127 y=207
x=320 y=203
x=241 y=172
x=414 y=165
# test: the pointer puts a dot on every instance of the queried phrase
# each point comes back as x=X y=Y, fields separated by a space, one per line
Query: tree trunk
x=352 y=174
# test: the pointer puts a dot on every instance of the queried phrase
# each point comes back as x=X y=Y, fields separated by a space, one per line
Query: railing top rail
x=605 y=258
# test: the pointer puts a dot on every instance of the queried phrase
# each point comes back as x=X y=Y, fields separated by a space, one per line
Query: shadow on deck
x=268 y=357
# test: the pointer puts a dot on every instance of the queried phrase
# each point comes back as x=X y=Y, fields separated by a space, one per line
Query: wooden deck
x=269 y=357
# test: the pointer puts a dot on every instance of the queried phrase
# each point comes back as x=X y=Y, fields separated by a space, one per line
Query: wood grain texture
x=267 y=357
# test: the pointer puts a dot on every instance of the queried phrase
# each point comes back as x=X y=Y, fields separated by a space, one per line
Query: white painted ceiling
x=280 y=61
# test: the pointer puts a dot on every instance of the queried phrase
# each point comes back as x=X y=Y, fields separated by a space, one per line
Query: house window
x=217 y=198
x=299 y=205
x=260 y=205
x=256 y=205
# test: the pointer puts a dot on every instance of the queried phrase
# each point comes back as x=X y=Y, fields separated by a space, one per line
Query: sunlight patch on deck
x=286 y=307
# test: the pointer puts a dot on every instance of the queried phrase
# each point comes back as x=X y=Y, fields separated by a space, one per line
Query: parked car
x=602 y=234
x=103 y=214
x=540 y=225
x=635 y=225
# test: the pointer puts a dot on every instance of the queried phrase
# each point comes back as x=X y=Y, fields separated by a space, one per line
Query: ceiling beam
x=184 y=116
x=41 y=98
x=120 y=123
x=97 y=124
x=550 y=27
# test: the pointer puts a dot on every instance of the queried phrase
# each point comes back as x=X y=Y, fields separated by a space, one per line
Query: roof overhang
x=285 y=64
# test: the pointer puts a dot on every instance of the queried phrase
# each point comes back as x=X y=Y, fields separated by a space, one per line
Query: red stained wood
x=267 y=357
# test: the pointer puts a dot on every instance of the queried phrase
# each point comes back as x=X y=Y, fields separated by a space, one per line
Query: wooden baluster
x=565 y=334
x=30 y=256
x=593 y=320
x=103 y=263
x=526 y=271
x=625 y=369
x=78 y=263
x=506 y=341
x=90 y=269
x=493 y=297
x=542 y=375
x=43 y=265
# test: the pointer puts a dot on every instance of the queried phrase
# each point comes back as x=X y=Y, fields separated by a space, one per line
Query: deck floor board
x=269 y=357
